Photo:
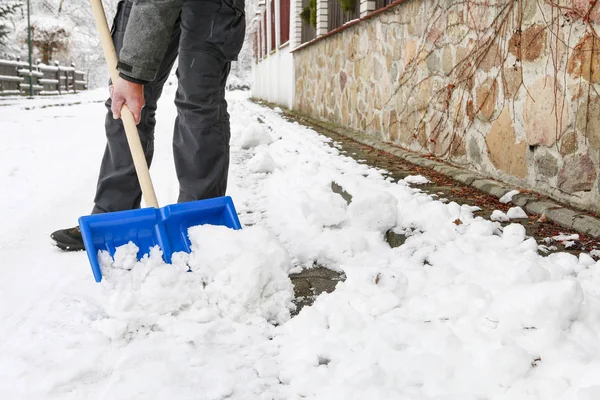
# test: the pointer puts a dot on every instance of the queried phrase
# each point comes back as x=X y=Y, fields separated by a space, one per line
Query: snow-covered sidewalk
x=459 y=312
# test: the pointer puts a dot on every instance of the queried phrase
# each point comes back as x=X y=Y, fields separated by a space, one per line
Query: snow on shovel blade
x=166 y=227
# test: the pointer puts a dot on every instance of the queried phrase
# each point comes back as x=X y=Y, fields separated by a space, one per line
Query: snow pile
x=240 y=275
x=416 y=180
x=262 y=162
x=507 y=198
x=498 y=215
x=374 y=211
x=514 y=234
x=255 y=135
x=463 y=309
x=564 y=238
x=516 y=213
x=441 y=316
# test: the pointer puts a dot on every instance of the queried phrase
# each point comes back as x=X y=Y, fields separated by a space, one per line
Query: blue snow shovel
x=165 y=227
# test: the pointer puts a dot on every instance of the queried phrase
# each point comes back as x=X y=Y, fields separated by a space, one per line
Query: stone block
x=504 y=152
x=562 y=216
x=582 y=7
x=547 y=166
x=485 y=185
x=523 y=199
x=465 y=177
x=447 y=61
x=588 y=225
x=539 y=207
x=541 y=108
x=578 y=173
x=474 y=151
x=584 y=61
x=434 y=64
x=457 y=147
x=491 y=59
x=513 y=81
x=485 y=96
x=530 y=44
x=588 y=122
x=568 y=144
x=489 y=186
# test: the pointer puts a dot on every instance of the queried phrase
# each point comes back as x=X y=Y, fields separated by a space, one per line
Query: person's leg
x=212 y=33
x=118 y=187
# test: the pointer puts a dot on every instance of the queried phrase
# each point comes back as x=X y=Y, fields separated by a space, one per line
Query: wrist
x=132 y=79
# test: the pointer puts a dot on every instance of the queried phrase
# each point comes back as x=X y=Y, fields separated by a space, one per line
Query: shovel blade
x=166 y=227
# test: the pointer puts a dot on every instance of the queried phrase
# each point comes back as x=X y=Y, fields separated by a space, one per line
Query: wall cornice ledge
x=347 y=25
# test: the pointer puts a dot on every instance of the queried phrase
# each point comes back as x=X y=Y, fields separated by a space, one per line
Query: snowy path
x=458 y=312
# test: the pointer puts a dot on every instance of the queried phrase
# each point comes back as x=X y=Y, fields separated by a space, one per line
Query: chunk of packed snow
x=374 y=210
x=416 y=180
x=262 y=162
x=278 y=110
x=514 y=234
x=244 y=273
x=254 y=135
x=507 y=198
x=516 y=213
x=498 y=215
x=586 y=260
x=541 y=305
x=564 y=238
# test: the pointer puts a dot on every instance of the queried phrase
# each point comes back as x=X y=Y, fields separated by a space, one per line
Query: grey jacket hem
x=147 y=36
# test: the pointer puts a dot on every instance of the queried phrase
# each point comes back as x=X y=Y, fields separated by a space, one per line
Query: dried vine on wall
x=439 y=124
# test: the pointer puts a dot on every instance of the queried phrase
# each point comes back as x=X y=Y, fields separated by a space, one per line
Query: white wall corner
x=295 y=23
x=322 y=9
x=366 y=7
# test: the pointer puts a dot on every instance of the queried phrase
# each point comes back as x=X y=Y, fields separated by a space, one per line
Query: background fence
x=46 y=79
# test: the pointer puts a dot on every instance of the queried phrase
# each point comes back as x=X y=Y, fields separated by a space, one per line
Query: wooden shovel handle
x=133 y=138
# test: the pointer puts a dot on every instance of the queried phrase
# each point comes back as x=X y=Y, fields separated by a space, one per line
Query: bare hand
x=123 y=92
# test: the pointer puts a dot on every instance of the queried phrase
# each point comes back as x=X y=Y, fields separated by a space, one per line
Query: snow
x=86 y=96
x=416 y=180
x=242 y=275
x=507 y=198
x=498 y=215
x=564 y=238
x=466 y=311
x=255 y=135
x=262 y=162
x=363 y=214
x=516 y=213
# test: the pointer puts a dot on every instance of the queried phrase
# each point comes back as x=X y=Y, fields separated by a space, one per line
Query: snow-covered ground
x=460 y=311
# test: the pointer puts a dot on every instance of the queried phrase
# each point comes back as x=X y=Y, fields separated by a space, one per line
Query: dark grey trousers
x=207 y=37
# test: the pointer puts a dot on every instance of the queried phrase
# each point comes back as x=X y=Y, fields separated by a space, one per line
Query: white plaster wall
x=273 y=78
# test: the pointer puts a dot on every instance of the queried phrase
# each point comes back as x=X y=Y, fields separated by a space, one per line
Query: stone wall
x=504 y=87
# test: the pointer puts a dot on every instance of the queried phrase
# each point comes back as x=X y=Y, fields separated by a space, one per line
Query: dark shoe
x=68 y=239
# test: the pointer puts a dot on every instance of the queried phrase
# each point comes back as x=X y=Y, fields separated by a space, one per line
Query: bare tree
x=49 y=39
x=6 y=10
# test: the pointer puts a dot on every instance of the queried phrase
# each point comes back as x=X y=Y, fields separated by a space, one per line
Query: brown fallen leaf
x=457 y=222
x=377 y=279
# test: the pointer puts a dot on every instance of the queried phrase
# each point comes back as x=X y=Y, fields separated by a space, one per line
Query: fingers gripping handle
x=133 y=138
